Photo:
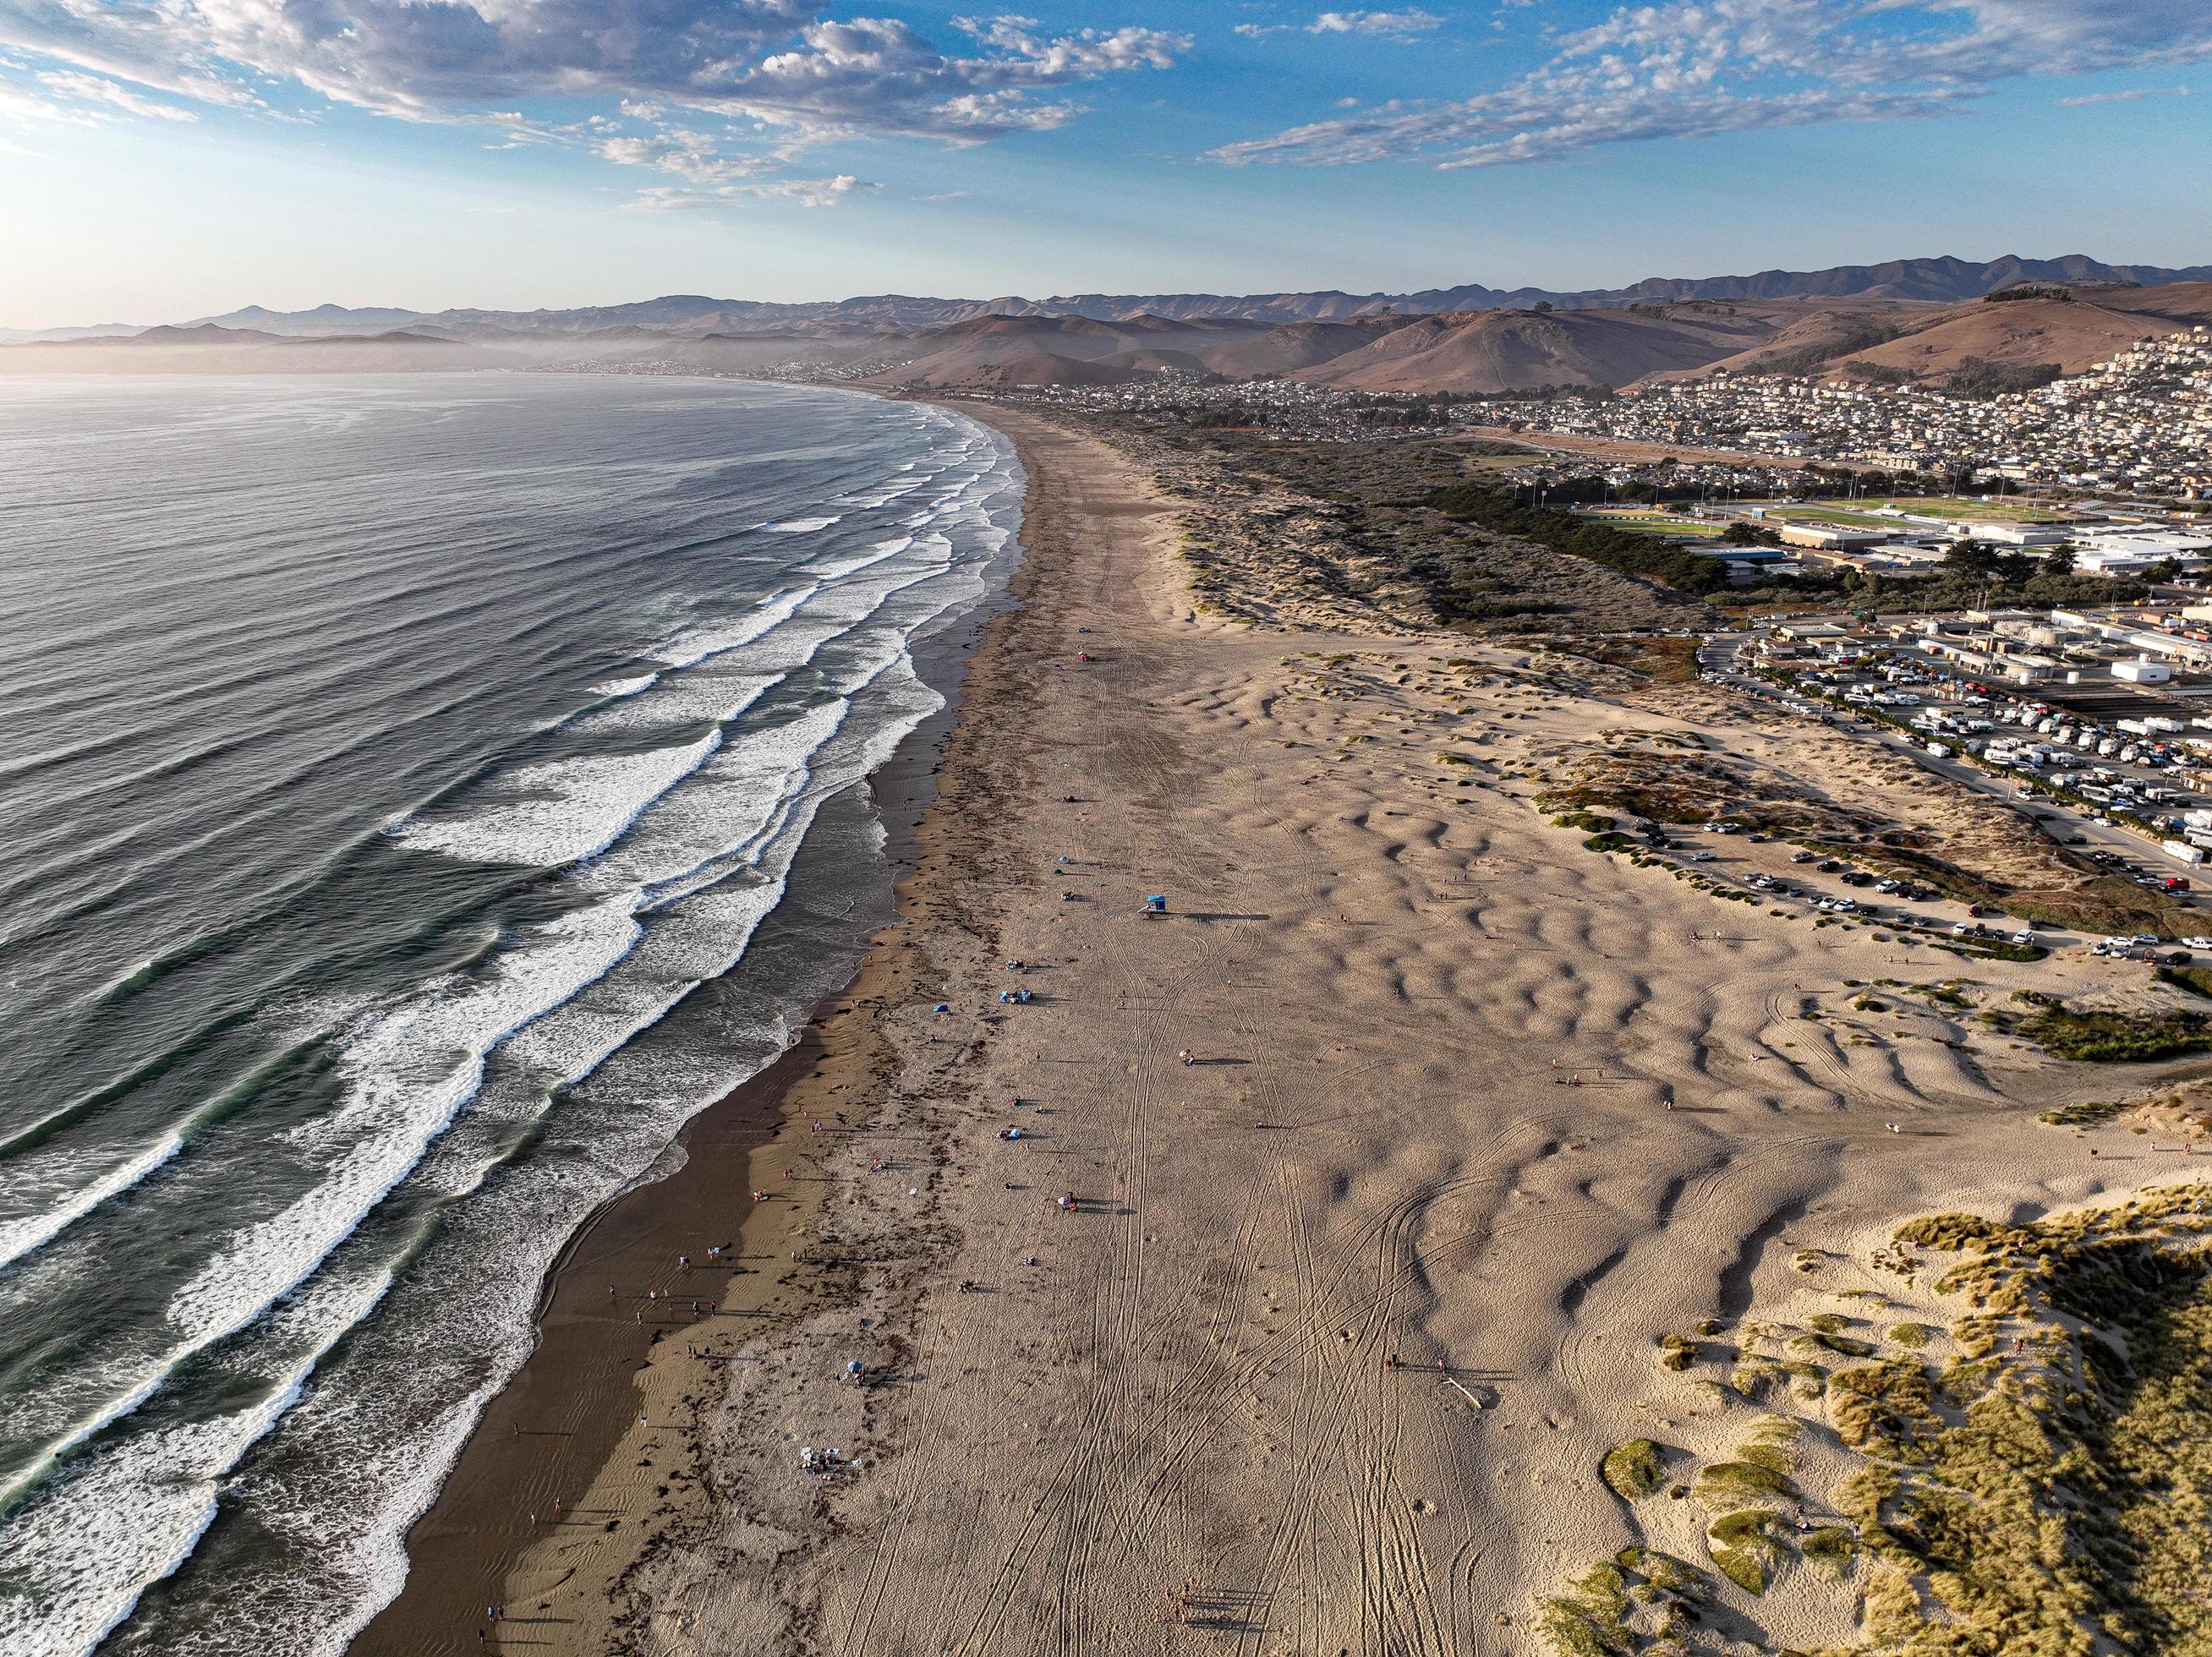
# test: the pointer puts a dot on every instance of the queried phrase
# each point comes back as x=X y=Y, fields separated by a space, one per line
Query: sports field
x=1658 y=524
x=1955 y=505
x=1830 y=515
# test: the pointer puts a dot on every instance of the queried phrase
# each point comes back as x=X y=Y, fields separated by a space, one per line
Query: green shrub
x=1742 y=1547
x=2087 y=1114
x=2197 y=980
x=2116 y=1038
x=1633 y=1470
x=1832 y=1545
x=1725 y=1484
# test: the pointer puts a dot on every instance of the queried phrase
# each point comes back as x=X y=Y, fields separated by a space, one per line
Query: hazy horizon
x=1501 y=283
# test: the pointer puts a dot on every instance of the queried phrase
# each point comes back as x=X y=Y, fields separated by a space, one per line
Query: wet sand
x=542 y=1440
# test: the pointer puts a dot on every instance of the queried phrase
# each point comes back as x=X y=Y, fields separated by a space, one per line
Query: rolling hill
x=1058 y=350
x=1946 y=280
x=1491 y=351
x=2074 y=334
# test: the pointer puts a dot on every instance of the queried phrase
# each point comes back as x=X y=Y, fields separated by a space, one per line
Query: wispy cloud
x=1392 y=24
x=1407 y=25
x=699 y=156
x=21 y=106
x=805 y=192
x=91 y=89
x=2136 y=96
x=71 y=98
x=1700 y=68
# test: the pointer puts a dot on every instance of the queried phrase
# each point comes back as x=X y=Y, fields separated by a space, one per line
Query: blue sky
x=161 y=159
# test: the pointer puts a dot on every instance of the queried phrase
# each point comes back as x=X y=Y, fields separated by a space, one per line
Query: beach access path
x=1350 y=1304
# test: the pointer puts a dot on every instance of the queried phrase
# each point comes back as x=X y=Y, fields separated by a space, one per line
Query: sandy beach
x=1397 y=1145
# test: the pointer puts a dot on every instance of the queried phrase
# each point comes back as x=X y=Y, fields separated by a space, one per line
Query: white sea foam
x=885 y=495
x=694 y=644
x=831 y=569
x=697 y=697
x=405 y=1076
x=86 y=1549
x=803 y=525
x=406 y=1073
x=627 y=686
x=572 y=808
x=20 y=1234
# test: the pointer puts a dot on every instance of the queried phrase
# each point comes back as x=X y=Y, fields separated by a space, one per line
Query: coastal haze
x=1929 y=316
x=389 y=766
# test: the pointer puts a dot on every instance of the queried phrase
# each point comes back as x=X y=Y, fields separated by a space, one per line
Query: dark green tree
x=1971 y=559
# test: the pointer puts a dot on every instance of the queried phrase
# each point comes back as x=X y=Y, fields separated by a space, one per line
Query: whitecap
x=571 y=809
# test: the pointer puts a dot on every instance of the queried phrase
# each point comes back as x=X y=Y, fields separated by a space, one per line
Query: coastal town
x=2141 y=421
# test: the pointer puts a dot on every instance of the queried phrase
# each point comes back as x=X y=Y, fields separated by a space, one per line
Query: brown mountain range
x=1474 y=352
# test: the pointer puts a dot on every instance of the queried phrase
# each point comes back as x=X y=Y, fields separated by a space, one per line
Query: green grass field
x=1850 y=520
x=1651 y=523
x=1953 y=506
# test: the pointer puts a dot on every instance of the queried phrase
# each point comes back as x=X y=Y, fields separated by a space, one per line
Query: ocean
x=419 y=794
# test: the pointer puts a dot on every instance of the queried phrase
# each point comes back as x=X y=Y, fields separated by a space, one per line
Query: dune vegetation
x=2026 y=1473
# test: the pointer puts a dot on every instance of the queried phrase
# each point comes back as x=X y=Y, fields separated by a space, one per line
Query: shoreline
x=464 y=1548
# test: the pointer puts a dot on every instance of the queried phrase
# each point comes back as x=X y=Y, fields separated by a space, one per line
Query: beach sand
x=1435 y=1044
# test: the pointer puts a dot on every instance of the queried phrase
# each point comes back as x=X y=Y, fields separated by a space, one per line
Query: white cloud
x=807 y=192
x=2133 y=97
x=1384 y=24
x=451 y=59
x=91 y=89
x=697 y=156
x=1700 y=68
x=1391 y=24
x=22 y=106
